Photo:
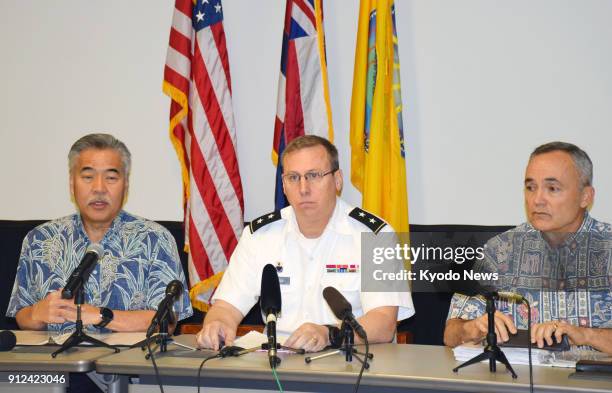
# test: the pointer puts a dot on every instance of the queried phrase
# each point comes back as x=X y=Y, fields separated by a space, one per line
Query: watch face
x=107 y=314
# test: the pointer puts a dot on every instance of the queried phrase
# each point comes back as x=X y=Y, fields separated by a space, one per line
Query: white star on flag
x=200 y=16
x=218 y=8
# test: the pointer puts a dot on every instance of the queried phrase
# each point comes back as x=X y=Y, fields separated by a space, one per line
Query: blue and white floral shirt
x=140 y=258
x=570 y=283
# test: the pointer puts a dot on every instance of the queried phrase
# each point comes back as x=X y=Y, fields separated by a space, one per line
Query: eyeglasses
x=311 y=177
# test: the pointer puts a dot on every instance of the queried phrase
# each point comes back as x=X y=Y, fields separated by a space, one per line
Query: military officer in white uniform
x=314 y=243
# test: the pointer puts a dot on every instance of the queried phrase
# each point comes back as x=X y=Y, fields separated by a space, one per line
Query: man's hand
x=311 y=337
x=213 y=333
x=53 y=309
x=90 y=315
x=220 y=324
x=544 y=332
x=478 y=328
x=459 y=331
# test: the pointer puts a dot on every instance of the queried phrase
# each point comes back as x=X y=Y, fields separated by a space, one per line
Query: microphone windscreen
x=7 y=340
x=174 y=288
x=338 y=303
x=95 y=247
x=270 y=294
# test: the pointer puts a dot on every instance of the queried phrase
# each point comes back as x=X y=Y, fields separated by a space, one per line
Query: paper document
x=540 y=357
x=254 y=339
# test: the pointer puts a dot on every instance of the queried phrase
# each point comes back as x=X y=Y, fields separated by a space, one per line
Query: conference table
x=395 y=367
x=32 y=369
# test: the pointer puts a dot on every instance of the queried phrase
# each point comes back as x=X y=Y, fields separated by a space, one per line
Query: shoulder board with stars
x=264 y=220
x=367 y=219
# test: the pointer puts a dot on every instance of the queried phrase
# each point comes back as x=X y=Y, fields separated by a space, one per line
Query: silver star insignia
x=372 y=220
x=270 y=215
x=361 y=214
x=260 y=221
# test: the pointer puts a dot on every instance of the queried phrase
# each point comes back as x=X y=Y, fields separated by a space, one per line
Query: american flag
x=202 y=129
x=303 y=95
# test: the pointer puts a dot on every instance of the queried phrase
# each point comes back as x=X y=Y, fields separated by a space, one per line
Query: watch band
x=335 y=337
x=107 y=316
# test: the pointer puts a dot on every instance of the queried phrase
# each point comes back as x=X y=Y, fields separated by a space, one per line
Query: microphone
x=474 y=288
x=174 y=289
x=80 y=275
x=270 y=304
x=7 y=340
x=343 y=310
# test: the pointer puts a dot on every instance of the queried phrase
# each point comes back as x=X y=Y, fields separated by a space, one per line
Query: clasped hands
x=541 y=333
x=54 y=309
x=309 y=336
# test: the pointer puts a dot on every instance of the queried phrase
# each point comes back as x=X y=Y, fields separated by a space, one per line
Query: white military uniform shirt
x=305 y=267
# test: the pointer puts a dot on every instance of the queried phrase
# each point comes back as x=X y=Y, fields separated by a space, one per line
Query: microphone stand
x=78 y=336
x=275 y=360
x=492 y=352
x=162 y=338
x=347 y=348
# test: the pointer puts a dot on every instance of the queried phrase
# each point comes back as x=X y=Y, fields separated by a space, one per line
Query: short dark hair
x=581 y=159
x=307 y=141
x=100 y=142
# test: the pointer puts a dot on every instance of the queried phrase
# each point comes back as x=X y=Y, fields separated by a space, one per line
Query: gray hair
x=581 y=159
x=100 y=142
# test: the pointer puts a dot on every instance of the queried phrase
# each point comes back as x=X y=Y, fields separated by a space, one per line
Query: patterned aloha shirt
x=571 y=282
x=140 y=259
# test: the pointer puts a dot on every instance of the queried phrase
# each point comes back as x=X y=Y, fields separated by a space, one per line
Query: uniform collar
x=338 y=221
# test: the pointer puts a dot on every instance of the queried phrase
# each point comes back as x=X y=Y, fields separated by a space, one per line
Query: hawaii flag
x=303 y=95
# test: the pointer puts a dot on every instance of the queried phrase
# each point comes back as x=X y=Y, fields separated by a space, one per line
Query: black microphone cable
x=157 y=376
x=363 y=364
x=202 y=366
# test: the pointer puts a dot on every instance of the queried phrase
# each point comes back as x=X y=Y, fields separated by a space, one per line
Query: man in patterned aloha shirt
x=560 y=261
x=139 y=259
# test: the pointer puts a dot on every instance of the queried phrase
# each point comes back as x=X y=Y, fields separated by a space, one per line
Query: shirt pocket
x=348 y=284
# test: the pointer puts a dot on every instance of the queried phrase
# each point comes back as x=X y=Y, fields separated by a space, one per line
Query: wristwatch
x=335 y=337
x=107 y=316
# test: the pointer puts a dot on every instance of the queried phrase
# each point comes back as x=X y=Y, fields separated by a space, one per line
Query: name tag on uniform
x=284 y=280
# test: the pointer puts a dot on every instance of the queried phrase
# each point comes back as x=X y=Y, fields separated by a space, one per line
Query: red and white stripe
x=197 y=73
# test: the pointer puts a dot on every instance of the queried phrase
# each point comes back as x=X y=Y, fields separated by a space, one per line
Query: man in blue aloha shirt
x=139 y=256
x=561 y=261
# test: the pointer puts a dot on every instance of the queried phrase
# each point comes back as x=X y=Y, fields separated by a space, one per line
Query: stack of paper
x=540 y=357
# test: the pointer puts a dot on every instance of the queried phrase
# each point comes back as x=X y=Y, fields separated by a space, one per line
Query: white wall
x=483 y=83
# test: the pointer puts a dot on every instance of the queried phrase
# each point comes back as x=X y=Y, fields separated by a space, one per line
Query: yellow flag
x=378 y=160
